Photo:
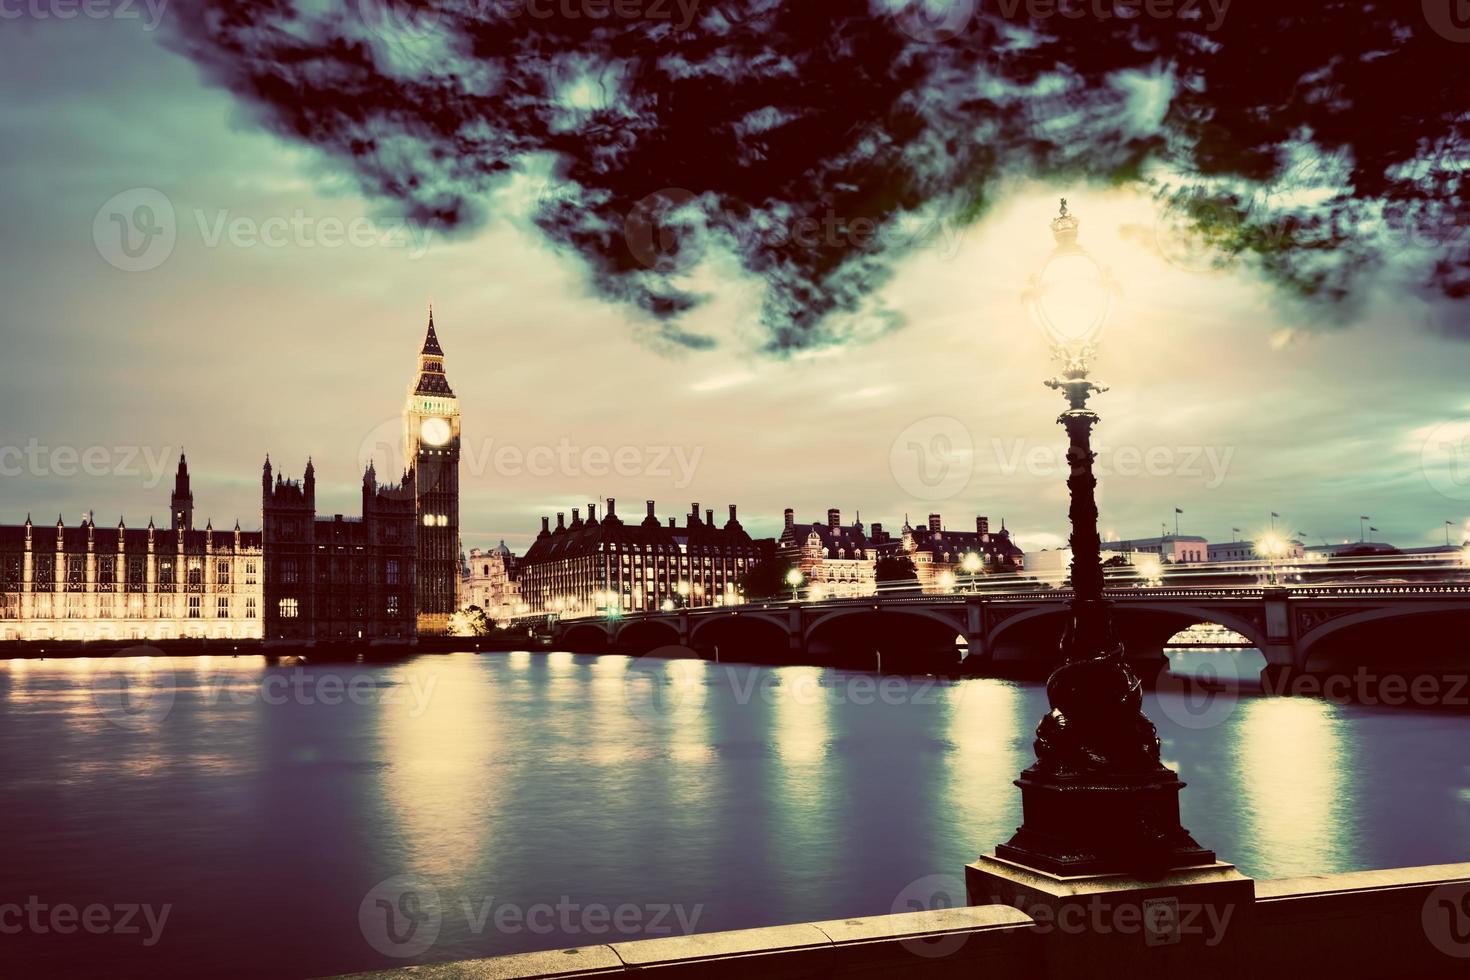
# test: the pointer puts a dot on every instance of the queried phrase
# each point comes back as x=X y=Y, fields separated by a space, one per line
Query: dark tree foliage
x=898 y=568
x=767 y=580
x=1321 y=142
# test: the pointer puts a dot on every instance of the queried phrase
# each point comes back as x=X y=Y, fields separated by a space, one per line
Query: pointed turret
x=181 y=503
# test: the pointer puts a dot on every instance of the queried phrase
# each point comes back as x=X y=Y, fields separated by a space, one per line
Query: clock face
x=434 y=432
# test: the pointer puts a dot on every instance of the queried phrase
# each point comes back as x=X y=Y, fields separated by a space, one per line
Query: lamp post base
x=1090 y=824
x=1192 y=922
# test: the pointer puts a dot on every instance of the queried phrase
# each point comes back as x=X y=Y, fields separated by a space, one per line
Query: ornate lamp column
x=1098 y=800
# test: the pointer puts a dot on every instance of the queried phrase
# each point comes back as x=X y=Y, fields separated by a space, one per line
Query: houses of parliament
x=392 y=573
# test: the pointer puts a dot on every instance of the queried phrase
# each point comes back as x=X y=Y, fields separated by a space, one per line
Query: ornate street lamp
x=793 y=579
x=1097 y=800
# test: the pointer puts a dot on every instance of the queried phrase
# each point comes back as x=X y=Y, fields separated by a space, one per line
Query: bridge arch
x=1145 y=628
x=1388 y=639
x=907 y=639
x=641 y=636
x=742 y=636
x=584 y=638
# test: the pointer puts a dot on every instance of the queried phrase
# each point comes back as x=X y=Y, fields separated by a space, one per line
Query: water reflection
x=762 y=795
x=989 y=727
x=440 y=786
x=1295 y=768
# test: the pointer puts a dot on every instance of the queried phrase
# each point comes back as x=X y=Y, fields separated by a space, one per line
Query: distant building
x=1246 y=551
x=490 y=583
x=1176 y=549
x=834 y=559
x=91 y=583
x=606 y=565
x=938 y=553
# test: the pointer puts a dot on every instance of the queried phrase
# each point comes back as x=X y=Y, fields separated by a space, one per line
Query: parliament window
x=289 y=608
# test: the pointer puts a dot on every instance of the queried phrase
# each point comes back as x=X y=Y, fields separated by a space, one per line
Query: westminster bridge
x=1307 y=629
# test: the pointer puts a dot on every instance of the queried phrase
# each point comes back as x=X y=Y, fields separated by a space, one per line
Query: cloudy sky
x=280 y=311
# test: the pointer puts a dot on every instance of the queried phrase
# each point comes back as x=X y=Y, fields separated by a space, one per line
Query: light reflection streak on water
x=441 y=784
x=987 y=726
x=1294 y=762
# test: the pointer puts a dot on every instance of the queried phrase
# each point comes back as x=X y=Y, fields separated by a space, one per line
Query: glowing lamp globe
x=1072 y=297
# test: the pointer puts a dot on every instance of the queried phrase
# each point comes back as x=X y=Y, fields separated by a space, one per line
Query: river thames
x=247 y=818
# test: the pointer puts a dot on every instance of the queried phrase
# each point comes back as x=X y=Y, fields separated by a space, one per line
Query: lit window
x=222 y=608
x=428 y=520
x=193 y=607
x=289 y=608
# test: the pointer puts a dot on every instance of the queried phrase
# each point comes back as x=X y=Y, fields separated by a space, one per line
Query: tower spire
x=431 y=340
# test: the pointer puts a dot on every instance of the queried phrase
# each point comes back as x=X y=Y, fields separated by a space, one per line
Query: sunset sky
x=255 y=335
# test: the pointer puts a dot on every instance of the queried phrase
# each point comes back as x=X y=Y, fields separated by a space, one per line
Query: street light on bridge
x=793 y=579
x=1098 y=800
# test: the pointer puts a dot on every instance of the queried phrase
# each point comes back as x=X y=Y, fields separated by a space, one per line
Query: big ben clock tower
x=431 y=448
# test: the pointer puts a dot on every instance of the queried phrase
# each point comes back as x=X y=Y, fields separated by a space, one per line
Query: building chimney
x=935 y=523
x=790 y=517
x=732 y=515
x=561 y=521
x=672 y=523
x=650 y=508
x=709 y=516
x=576 y=518
x=982 y=525
x=545 y=525
x=834 y=518
x=591 y=513
x=612 y=508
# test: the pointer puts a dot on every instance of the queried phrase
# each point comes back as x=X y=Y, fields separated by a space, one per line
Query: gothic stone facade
x=393 y=573
x=92 y=583
x=337 y=578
